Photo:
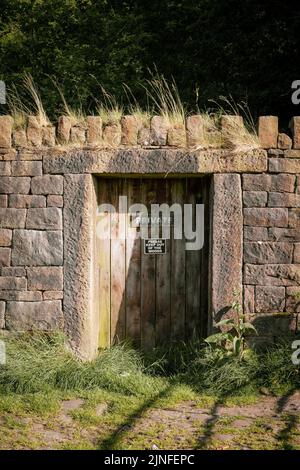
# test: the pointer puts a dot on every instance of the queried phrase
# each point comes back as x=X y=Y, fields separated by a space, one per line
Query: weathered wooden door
x=146 y=297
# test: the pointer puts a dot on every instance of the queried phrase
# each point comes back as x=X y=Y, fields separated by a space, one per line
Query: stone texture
x=12 y=218
x=268 y=131
x=3 y=200
x=14 y=272
x=20 y=138
x=112 y=135
x=249 y=299
x=266 y=217
x=6 y=124
x=55 y=201
x=64 y=129
x=26 y=168
x=294 y=218
x=292 y=153
x=284 y=142
x=49 y=218
x=53 y=295
x=47 y=184
x=159 y=127
x=279 y=183
x=5 y=236
x=283 y=200
x=268 y=253
x=280 y=324
x=20 y=201
x=195 y=130
x=284 y=234
x=2 y=315
x=13 y=283
x=293 y=300
x=37 y=248
x=144 y=136
x=255 y=234
x=81 y=302
x=48 y=136
x=77 y=135
x=255 y=198
x=226 y=249
x=269 y=299
x=45 y=278
x=45 y=315
x=30 y=155
x=94 y=130
x=21 y=295
x=155 y=162
x=130 y=127
x=272 y=274
x=5 y=169
x=7 y=154
x=5 y=255
x=177 y=135
x=9 y=185
x=297 y=253
x=284 y=165
x=34 y=132
x=295 y=128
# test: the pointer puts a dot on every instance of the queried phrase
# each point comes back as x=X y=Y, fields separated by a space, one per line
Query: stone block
x=279 y=183
x=268 y=131
x=53 y=295
x=49 y=218
x=6 y=125
x=159 y=127
x=283 y=200
x=295 y=128
x=255 y=198
x=177 y=135
x=37 y=248
x=249 y=299
x=55 y=201
x=94 y=130
x=284 y=235
x=297 y=253
x=294 y=218
x=275 y=325
x=5 y=169
x=130 y=127
x=144 y=136
x=13 y=185
x=12 y=218
x=34 y=132
x=293 y=299
x=26 y=168
x=2 y=315
x=266 y=217
x=268 y=252
x=292 y=153
x=48 y=136
x=284 y=165
x=269 y=299
x=255 y=234
x=5 y=256
x=284 y=141
x=64 y=129
x=13 y=283
x=46 y=315
x=21 y=295
x=47 y=184
x=77 y=135
x=45 y=278
x=14 y=272
x=112 y=135
x=272 y=274
x=20 y=201
x=195 y=129
x=5 y=236
x=20 y=138
x=3 y=200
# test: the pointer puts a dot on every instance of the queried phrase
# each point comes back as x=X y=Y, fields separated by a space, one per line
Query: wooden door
x=145 y=297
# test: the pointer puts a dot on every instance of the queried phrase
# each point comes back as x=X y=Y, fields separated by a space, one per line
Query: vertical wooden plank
x=104 y=268
x=163 y=282
x=193 y=268
x=204 y=269
x=177 y=272
x=118 y=268
x=133 y=268
x=148 y=316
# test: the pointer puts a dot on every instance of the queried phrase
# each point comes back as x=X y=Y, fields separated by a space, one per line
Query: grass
x=137 y=393
x=108 y=108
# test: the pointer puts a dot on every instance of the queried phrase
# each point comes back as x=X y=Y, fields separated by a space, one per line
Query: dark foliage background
x=247 y=49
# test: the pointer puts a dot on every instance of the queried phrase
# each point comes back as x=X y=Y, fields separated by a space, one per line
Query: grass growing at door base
x=125 y=399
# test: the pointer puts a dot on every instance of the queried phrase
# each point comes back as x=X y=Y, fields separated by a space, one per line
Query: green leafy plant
x=232 y=341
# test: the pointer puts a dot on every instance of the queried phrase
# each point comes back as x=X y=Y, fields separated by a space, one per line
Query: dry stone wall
x=46 y=187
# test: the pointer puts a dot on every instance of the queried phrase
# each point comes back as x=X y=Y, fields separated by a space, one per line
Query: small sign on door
x=155 y=246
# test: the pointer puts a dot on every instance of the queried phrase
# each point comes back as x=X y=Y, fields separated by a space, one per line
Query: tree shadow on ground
x=290 y=421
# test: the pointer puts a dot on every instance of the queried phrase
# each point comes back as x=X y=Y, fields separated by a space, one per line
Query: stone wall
x=47 y=205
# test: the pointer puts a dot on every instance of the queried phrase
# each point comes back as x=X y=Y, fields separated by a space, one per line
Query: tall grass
x=108 y=108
